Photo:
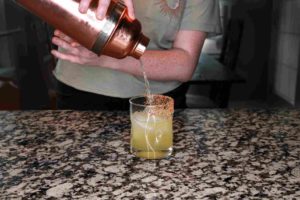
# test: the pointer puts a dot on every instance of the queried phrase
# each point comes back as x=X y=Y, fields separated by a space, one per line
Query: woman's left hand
x=73 y=52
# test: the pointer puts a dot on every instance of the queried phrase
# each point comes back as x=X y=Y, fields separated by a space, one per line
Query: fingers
x=64 y=56
x=103 y=6
x=130 y=7
x=63 y=36
x=65 y=45
x=102 y=9
x=84 y=5
x=78 y=55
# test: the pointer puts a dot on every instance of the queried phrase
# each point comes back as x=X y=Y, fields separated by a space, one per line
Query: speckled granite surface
x=236 y=154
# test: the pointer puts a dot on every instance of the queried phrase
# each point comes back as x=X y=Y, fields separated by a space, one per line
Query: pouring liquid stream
x=151 y=131
x=149 y=100
x=147 y=84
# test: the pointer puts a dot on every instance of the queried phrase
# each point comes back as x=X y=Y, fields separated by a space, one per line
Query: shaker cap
x=140 y=47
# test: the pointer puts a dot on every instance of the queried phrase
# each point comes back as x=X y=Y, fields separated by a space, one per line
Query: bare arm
x=176 y=64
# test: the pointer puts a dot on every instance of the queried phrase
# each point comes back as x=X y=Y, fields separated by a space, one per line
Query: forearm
x=163 y=65
x=176 y=64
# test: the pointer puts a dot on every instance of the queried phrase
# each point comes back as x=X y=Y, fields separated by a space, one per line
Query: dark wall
x=298 y=85
x=33 y=69
x=255 y=48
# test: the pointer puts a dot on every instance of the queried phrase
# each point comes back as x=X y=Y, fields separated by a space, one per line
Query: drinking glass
x=151 y=126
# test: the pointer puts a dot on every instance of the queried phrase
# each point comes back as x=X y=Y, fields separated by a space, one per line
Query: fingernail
x=83 y=8
x=100 y=14
x=74 y=44
x=131 y=15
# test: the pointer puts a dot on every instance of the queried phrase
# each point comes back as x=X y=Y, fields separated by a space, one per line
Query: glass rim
x=143 y=105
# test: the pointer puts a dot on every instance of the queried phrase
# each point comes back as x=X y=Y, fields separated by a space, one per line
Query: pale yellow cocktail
x=151 y=126
x=151 y=136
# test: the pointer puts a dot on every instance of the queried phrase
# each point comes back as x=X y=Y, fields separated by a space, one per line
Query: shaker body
x=116 y=35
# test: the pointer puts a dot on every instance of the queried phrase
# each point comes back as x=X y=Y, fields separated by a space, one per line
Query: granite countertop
x=218 y=154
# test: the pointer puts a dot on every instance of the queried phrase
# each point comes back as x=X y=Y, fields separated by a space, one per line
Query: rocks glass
x=151 y=126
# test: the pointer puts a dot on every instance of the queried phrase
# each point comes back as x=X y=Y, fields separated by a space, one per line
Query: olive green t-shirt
x=161 y=20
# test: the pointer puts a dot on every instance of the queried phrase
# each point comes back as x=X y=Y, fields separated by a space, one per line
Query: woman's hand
x=73 y=52
x=103 y=6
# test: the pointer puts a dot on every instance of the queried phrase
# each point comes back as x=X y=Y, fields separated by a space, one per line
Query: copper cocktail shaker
x=116 y=36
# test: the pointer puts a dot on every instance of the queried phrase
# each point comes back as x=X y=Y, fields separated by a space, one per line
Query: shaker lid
x=140 y=47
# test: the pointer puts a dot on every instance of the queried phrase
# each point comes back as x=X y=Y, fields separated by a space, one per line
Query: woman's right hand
x=103 y=6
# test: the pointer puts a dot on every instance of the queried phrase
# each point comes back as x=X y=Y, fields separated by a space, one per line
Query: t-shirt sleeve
x=201 y=15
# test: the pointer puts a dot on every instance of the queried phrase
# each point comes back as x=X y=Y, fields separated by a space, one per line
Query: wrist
x=108 y=62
